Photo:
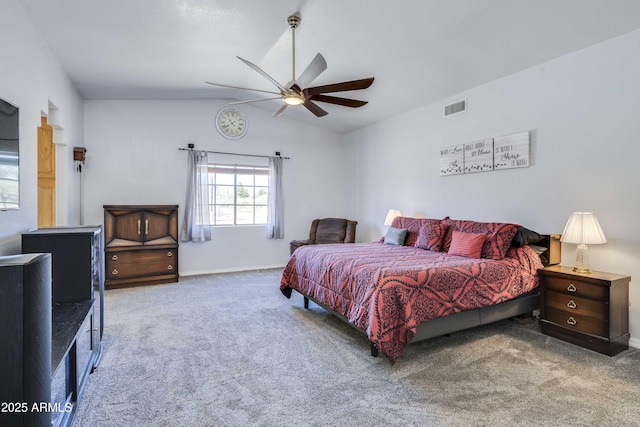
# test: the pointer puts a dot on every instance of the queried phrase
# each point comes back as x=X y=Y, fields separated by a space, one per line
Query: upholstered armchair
x=328 y=230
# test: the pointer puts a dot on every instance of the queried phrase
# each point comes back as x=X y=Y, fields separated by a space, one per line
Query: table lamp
x=391 y=215
x=583 y=229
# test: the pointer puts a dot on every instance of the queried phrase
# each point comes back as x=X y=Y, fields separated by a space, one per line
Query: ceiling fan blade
x=265 y=75
x=339 y=87
x=243 y=88
x=353 y=103
x=316 y=67
x=281 y=109
x=254 y=100
x=319 y=112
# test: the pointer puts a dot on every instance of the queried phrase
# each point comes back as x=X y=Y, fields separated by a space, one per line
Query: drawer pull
x=571 y=304
x=169 y=253
x=170 y=267
x=571 y=288
x=139 y=222
x=115 y=257
x=114 y=272
x=571 y=321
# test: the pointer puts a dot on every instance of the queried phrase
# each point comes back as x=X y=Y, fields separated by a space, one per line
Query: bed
x=422 y=287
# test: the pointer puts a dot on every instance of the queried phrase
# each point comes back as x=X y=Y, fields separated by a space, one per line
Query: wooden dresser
x=589 y=310
x=141 y=245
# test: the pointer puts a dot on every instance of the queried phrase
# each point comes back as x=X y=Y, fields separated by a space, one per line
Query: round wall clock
x=231 y=123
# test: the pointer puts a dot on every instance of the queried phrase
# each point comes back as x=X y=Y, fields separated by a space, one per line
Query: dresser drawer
x=577 y=322
x=128 y=264
x=128 y=257
x=576 y=287
x=577 y=305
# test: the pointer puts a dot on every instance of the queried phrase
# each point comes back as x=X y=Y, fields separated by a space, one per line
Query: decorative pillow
x=413 y=226
x=467 y=244
x=524 y=236
x=499 y=239
x=395 y=236
x=431 y=236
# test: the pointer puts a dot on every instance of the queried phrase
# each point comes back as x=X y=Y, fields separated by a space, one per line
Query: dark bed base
x=524 y=304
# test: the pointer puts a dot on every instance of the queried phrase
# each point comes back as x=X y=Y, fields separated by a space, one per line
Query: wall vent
x=455 y=108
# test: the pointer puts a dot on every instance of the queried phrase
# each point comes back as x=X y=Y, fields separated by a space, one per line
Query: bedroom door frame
x=46 y=175
x=57 y=209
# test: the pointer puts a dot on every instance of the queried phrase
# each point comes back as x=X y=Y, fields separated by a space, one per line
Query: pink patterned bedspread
x=389 y=290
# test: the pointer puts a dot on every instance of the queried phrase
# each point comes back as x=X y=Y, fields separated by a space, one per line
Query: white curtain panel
x=196 y=226
x=275 y=226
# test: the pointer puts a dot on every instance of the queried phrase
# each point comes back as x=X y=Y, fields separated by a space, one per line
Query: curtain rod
x=235 y=154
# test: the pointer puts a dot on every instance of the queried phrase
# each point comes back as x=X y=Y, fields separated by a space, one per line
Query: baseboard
x=635 y=343
x=230 y=270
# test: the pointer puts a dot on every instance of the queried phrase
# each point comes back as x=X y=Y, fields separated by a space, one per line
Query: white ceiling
x=419 y=51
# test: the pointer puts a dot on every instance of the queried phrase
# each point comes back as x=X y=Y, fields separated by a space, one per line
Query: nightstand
x=589 y=310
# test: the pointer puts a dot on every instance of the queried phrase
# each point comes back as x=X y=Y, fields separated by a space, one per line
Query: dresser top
x=561 y=270
x=137 y=207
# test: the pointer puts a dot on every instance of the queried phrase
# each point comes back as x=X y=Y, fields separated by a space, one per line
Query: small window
x=238 y=195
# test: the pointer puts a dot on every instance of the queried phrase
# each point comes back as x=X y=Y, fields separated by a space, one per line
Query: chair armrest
x=350 y=236
x=295 y=244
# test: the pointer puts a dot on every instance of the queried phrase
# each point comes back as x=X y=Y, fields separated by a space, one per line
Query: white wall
x=32 y=79
x=133 y=158
x=583 y=113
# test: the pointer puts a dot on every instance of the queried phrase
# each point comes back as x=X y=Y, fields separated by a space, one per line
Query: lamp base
x=582 y=260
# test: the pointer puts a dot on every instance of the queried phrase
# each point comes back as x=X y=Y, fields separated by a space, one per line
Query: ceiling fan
x=296 y=91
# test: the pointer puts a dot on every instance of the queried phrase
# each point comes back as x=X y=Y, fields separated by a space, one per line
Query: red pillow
x=466 y=244
x=431 y=237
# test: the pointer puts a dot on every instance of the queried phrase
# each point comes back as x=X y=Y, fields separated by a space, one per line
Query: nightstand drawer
x=577 y=322
x=577 y=288
x=576 y=305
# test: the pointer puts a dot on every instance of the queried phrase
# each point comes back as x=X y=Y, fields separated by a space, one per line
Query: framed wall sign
x=478 y=156
x=452 y=160
x=503 y=152
x=511 y=151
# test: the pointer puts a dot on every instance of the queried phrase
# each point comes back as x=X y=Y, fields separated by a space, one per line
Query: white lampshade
x=583 y=229
x=391 y=215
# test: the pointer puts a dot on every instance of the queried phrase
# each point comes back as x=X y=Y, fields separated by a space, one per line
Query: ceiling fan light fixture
x=293 y=99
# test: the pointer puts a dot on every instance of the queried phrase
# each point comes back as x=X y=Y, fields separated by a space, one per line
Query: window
x=238 y=195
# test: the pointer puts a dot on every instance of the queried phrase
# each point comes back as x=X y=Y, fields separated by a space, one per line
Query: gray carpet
x=230 y=350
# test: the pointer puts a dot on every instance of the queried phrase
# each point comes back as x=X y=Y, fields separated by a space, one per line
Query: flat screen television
x=9 y=156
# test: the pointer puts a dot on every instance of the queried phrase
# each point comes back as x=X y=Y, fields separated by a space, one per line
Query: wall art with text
x=503 y=152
